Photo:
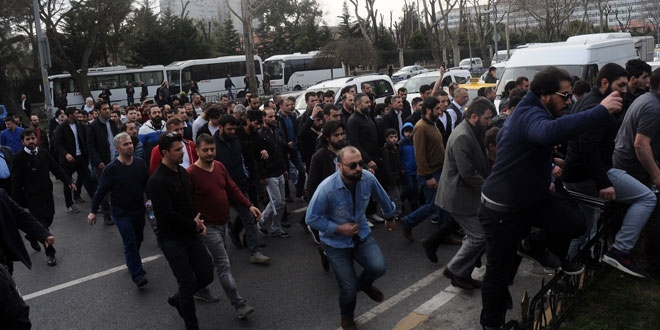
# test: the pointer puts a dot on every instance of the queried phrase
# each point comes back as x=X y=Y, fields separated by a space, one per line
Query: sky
x=332 y=9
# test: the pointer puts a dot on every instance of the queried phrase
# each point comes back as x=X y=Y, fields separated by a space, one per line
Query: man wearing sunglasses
x=337 y=211
x=516 y=195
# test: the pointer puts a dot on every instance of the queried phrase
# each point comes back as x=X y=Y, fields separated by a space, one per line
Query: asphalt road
x=89 y=289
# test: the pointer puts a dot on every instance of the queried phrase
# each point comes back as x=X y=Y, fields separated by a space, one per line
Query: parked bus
x=115 y=77
x=298 y=71
x=210 y=75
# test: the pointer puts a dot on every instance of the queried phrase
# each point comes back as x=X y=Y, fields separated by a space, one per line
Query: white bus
x=115 y=77
x=210 y=75
x=298 y=71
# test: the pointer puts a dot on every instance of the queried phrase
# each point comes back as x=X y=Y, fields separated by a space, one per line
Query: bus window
x=126 y=78
x=186 y=74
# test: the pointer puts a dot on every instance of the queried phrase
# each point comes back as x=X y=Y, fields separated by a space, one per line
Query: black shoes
x=235 y=238
x=407 y=232
x=141 y=283
x=51 y=261
x=544 y=257
x=374 y=293
x=35 y=245
x=468 y=284
x=348 y=324
x=429 y=251
x=324 y=260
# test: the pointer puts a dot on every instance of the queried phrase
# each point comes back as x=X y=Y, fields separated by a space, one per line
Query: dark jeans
x=297 y=162
x=193 y=268
x=559 y=220
x=79 y=167
x=429 y=209
x=131 y=228
x=105 y=204
x=366 y=253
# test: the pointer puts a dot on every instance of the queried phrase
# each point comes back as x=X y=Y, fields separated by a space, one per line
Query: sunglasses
x=566 y=96
x=354 y=165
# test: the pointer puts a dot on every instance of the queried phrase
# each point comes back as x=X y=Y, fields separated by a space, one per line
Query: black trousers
x=559 y=221
x=81 y=168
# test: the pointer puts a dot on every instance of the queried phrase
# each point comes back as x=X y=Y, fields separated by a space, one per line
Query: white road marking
x=84 y=279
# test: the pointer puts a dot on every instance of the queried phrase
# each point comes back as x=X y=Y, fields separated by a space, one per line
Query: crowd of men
x=495 y=176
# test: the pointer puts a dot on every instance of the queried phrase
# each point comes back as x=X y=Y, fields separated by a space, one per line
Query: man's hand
x=70 y=158
x=390 y=224
x=100 y=166
x=50 y=240
x=431 y=183
x=255 y=212
x=316 y=110
x=91 y=218
x=372 y=165
x=613 y=103
x=552 y=186
x=349 y=229
x=290 y=145
x=73 y=187
x=264 y=154
x=607 y=193
x=556 y=171
x=201 y=229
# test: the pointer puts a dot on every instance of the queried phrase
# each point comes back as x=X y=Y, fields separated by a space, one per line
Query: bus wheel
x=297 y=88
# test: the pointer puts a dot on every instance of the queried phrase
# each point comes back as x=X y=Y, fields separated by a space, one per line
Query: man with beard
x=131 y=129
x=347 y=106
x=639 y=80
x=213 y=191
x=322 y=166
x=151 y=131
x=42 y=137
x=337 y=212
x=464 y=171
x=125 y=178
x=174 y=125
x=272 y=172
x=100 y=134
x=32 y=187
x=430 y=156
x=517 y=194
x=180 y=229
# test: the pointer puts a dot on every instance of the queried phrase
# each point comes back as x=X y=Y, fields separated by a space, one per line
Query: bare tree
x=483 y=19
x=652 y=8
x=452 y=37
x=362 y=23
x=624 y=26
x=604 y=9
x=551 y=15
x=247 y=8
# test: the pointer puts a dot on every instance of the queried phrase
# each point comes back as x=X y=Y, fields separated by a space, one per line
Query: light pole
x=44 y=57
x=469 y=43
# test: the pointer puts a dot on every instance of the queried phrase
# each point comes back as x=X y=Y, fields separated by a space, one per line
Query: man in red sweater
x=213 y=190
x=174 y=125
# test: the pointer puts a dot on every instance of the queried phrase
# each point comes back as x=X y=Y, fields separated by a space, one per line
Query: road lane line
x=84 y=279
x=397 y=298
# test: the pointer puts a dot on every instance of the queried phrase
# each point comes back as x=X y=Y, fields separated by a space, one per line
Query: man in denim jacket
x=337 y=212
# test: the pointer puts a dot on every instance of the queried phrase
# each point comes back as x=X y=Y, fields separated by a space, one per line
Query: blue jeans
x=628 y=191
x=131 y=228
x=274 y=211
x=193 y=268
x=215 y=242
x=366 y=253
x=410 y=191
x=428 y=209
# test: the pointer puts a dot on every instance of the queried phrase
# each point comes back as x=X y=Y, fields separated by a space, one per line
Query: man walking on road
x=213 y=191
x=180 y=231
x=337 y=212
x=125 y=178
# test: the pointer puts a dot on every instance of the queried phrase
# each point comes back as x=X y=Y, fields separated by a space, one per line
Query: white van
x=471 y=63
x=582 y=56
x=501 y=56
x=381 y=86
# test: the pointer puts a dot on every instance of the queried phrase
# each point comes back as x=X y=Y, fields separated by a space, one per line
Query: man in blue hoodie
x=518 y=192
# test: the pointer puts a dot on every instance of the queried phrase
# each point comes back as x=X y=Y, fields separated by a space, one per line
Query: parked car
x=413 y=84
x=408 y=72
x=473 y=63
x=381 y=86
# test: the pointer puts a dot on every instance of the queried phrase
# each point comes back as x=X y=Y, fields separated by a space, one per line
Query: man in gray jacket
x=466 y=167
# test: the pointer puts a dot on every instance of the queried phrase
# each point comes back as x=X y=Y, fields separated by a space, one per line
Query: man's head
x=174 y=125
x=391 y=136
x=328 y=97
x=480 y=113
x=403 y=92
x=366 y=88
x=180 y=112
x=348 y=101
x=10 y=123
x=452 y=89
x=523 y=83
x=130 y=128
x=287 y=105
x=461 y=96
x=331 y=112
x=213 y=113
x=417 y=104
x=254 y=101
x=333 y=133
x=253 y=120
x=23 y=97
x=639 y=75
x=580 y=88
x=104 y=109
x=240 y=111
x=115 y=107
x=443 y=97
x=29 y=138
x=224 y=100
x=425 y=91
x=492 y=71
x=407 y=130
x=34 y=121
x=132 y=114
x=228 y=124
x=350 y=164
x=553 y=88
x=155 y=114
x=196 y=100
x=655 y=80
x=170 y=146
x=205 y=148
x=362 y=103
x=270 y=119
x=124 y=145
x=490 y=142
x=397 y=103
x=115 y=116
x=491 y=94
x=69 y=115
x=431 y=108
x=612 y=78
x=311 y=100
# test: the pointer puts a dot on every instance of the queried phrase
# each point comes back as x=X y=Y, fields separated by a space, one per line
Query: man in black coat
x=101 y=148
x=32 y=187
x=71 y=146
